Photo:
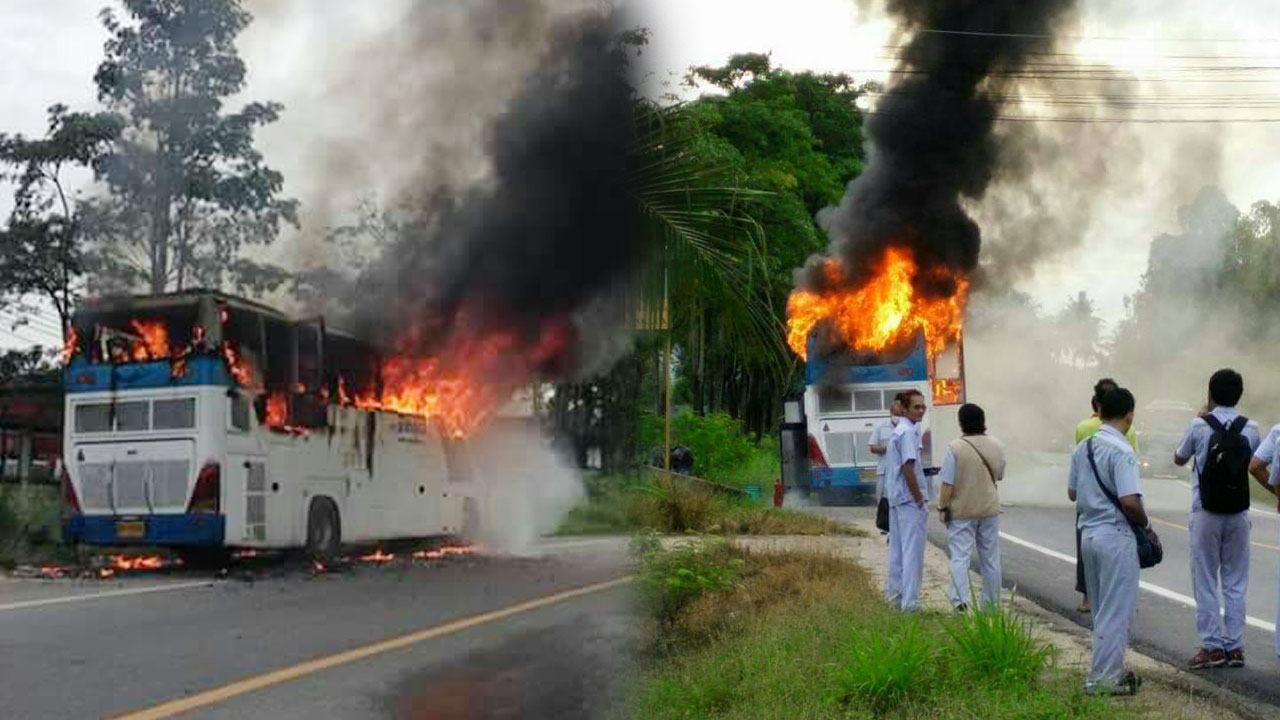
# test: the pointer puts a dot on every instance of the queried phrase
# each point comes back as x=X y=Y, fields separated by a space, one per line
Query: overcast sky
x=50 y=49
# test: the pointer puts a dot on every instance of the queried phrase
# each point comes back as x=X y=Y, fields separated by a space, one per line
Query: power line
x=1121 y=38
x=1090 y=120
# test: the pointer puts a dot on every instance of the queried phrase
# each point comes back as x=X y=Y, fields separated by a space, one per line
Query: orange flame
x=277 y=410
x=71 y=346
x=881 y=313
x=155 y=340
x=238 y=366
x=445 y=551
x=377 y=556
x=946 y=391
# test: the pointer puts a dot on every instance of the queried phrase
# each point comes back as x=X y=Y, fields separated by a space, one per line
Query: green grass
x=806 y=637
x=621 y=504
x=31 y=525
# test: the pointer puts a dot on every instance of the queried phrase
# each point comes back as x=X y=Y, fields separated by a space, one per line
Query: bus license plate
x=131 y=529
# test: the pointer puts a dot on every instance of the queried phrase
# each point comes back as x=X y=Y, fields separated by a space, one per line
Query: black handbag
x=882 y=515
x=1150 y=552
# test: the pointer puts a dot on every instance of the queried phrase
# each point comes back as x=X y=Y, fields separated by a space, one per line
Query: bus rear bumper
x=187 y=530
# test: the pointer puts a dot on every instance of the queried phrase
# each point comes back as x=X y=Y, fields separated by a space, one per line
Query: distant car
x=1160 y=425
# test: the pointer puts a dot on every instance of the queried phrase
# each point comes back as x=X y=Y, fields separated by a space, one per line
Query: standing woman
x=970 y=506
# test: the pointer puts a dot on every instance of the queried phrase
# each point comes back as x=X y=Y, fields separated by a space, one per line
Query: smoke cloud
x=932 y=142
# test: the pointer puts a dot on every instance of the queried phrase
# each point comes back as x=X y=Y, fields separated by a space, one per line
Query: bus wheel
x=324 y=530
x=204 y=558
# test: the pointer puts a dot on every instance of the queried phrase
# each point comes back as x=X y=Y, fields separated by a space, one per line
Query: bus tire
x=324 y=530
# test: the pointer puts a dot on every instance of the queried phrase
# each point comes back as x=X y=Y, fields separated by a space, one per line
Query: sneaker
x=962 y=608
x=1128 y=685
x=1235 y=658
x=1084 y=607
x=1209 y=659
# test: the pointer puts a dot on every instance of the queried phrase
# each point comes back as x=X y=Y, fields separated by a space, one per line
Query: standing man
x=879 y=443
x=1086 y=429
x=1265 y=468
x=970 y=506
x=908 y=513
x=1108 y=545
x=1222 y=441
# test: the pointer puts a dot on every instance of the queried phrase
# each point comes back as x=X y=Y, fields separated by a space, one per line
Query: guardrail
x=649 y=471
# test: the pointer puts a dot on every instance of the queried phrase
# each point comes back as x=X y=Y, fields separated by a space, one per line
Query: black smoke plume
x=931 y=139
x=550 y=232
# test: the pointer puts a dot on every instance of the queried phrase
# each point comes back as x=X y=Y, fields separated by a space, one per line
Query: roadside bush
x=721 y=451
x=672 y=577
x=886 y=667
x=998 y=646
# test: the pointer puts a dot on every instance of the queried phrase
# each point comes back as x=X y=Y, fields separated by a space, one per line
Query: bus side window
x=238 y=414
x=309 y=396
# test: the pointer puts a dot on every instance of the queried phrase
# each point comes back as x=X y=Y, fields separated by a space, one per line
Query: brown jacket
x=974 y=495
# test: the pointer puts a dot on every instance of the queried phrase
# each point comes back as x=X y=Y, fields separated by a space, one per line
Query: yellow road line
x=283 y=675
x=1184 y=528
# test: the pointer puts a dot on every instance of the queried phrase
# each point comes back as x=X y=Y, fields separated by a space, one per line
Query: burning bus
x=862 y=347
x=203 y=422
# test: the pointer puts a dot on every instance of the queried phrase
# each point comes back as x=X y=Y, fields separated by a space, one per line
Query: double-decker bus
x=202 y=422
x=848 y=397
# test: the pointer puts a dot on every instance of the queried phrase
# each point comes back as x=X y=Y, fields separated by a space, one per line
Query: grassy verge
x=31 y=525
x=786 y=636
x=617 y=504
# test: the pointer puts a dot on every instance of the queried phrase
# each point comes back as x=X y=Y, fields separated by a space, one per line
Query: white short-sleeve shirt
x=1195 y=443
x=1117 y=467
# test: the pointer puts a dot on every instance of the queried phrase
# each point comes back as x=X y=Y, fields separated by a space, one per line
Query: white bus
x=846 y=399
x=202 y=422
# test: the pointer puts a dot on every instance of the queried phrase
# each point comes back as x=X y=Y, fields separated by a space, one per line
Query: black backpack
x=1224 y=479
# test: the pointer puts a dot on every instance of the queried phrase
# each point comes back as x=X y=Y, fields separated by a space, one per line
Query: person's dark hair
x=1225 y=387
x=905 y=396
x=973 y=421
x=1116 y=404
x=1100 y=388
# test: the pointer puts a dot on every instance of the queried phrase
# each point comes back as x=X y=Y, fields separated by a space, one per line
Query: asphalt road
x=469 y=637
x=1038 y=557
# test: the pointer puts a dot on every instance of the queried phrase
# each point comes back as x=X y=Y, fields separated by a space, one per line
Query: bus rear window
x=137 y=334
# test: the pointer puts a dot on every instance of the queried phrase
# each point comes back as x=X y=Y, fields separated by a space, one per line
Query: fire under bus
x=846 y=398
x=203 y=422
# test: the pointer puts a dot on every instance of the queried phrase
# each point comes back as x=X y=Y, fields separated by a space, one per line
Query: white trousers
x=909 y=523
x=962 y=535
x=1220 y=552
x=1110 y=557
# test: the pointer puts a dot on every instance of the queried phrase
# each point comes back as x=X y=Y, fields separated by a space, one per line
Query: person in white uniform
x=1265 y=468
x=908 y=503
x=1108 y=546
x=1223 y=443
x=879 y=443
x=970 y=506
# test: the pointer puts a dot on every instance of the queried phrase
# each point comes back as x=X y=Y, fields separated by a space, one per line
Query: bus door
x=246 y=472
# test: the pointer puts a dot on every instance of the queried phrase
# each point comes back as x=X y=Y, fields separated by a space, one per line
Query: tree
x=41 y=245
x=1079 y=332
x=187 y=188
x=790 y=142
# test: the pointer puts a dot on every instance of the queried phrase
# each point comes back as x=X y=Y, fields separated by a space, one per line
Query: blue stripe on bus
x=838 y=477
x=82 y=376
x=175 y=529
x=912 y=369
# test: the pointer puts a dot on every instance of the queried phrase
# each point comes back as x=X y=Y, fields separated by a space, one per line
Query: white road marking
x=103 y=595
x=1152 y=588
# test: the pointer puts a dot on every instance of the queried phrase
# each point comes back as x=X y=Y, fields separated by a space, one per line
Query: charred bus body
x=204 y=422
x=847 y=396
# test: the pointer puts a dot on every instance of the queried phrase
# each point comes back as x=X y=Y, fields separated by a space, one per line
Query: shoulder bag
x=1150 y=552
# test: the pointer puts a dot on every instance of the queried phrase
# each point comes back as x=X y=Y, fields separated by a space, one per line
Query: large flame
x=882 y=312
x=155 y=340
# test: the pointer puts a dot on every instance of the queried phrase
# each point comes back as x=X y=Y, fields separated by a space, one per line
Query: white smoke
x=527 y=485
